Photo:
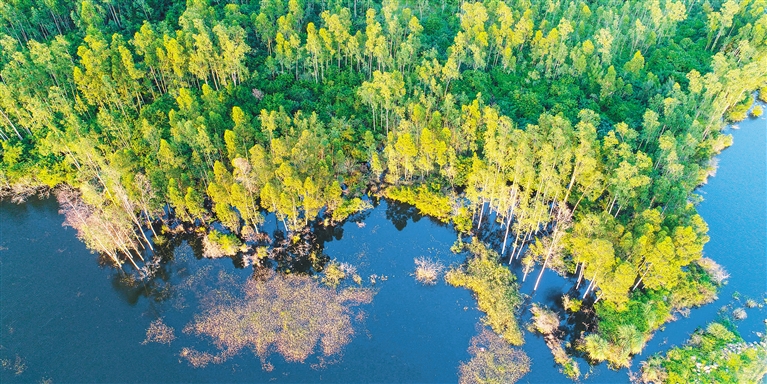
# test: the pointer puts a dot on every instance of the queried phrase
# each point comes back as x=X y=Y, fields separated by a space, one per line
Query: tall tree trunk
x=591 y=283
x=548 y=256
x=506 y=236
x=11 y=123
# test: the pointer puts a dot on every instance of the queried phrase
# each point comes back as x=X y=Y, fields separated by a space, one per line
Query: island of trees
x=573 y=131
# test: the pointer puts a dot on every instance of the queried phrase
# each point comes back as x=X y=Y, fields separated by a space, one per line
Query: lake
x=65 y=317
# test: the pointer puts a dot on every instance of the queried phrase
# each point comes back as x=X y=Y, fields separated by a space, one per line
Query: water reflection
x=399 y=214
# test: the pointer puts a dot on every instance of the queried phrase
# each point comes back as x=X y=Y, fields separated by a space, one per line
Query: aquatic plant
x=495 y=289
x=257 y=120
x=287 y=314
x=427 y=271
x=493 y=360
x=739 y=314
x=159 y=332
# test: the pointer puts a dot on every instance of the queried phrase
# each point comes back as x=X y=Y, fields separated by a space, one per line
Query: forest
x=574 y=131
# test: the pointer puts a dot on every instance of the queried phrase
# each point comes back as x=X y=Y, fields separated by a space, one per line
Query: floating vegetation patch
x=427 y=271
x=18 y=365
x=493 y=360
x=159 y=332
x=287 y=314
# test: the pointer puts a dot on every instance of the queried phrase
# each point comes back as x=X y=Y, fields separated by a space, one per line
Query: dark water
x=65 y=318
x=70 y=320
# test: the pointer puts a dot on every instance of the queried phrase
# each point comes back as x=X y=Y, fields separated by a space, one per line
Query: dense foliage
x=716 y=354
x=577 y=129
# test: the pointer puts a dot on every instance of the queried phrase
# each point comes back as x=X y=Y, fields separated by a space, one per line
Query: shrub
x=738 y=112
x=597 y=348
x=696 y=288
x=217 y=244
x=333 y=274
x=571 y=304
x=715 y=271
x=545 y=320
x=623 y=332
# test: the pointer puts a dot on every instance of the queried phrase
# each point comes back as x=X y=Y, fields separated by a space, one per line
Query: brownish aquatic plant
x=159 y=332
x=493 y=361
x=427 y=271
x=288 y=314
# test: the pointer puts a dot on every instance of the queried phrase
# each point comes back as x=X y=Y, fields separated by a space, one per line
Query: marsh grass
x=292 y=315
x=493 y=360
x=493 y=285
x=427 y=271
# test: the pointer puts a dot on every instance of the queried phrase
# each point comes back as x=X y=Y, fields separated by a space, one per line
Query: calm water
x=64 y=317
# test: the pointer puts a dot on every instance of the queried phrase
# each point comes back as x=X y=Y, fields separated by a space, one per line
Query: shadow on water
x=399 y=214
